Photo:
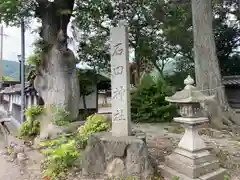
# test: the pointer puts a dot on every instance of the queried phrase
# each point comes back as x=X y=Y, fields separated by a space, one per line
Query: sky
x=12 y=43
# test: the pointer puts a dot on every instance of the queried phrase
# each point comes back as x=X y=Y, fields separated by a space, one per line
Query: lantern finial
x=190 y=94
x=189 y=80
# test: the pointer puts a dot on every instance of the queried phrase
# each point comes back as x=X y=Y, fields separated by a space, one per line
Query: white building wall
x=103 y=100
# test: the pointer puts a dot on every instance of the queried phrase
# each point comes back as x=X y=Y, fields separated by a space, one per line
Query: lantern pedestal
x=191 y=160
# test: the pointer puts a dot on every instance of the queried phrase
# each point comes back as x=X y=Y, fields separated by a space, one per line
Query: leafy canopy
x=177 y=28
x=95 y=18
x=13 y=10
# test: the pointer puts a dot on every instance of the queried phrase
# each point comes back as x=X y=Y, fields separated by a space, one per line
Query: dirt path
x=11 y=171
x=161 y=139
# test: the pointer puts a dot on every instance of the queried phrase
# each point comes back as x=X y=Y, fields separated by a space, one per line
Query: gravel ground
x=161 y=141
x=11 y=171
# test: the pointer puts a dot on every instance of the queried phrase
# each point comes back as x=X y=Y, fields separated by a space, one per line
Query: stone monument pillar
x=120 y=84
x=191 y=160
x=120 y=153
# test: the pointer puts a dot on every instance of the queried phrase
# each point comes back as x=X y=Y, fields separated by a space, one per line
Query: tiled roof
x=16 y=88
x=231 y=80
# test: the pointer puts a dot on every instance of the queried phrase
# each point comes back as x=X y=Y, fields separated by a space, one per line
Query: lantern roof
x=190 y=94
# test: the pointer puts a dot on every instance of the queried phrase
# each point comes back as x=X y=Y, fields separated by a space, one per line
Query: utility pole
x=1 y=56
x=22 y=69
x=19 y=56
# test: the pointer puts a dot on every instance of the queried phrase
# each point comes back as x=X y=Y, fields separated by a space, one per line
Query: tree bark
x=138 y=65
x=84 y=103
x=85 y=107
x=208 y=77
x=56 y=79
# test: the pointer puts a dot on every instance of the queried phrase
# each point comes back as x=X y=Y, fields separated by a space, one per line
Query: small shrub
x=60 y=116
x=31 y=127
x=175 y=178
x=33 y=111
x=60 y=157
x=53 y=143
x=226 y=177
x=148 y=101
x=94 y=123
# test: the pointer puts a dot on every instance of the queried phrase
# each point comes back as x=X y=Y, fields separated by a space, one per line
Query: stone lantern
x=191 y=160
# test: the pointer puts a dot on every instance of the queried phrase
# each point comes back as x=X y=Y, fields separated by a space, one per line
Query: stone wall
x=16 y=112
x=5 y=105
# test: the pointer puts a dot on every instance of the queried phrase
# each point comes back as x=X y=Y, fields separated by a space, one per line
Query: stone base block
x=169 y=174
x=119 y=157
x=199 y=165
x=192 y=166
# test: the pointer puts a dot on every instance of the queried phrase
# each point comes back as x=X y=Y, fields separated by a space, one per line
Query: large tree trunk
x=56 y=79
x=208 y=77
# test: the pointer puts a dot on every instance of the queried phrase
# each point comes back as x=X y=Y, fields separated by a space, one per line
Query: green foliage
x=95 y=123
x=144 y=36
x=226 y=178
x=60 y=156
x=60 y=116
x=12 y=10
x=177 y=78
x=148 y=101
x=53 y=143
x=230 y=65
x=40 y=46
x=7 y=78
x=31 y=127
x=33 y=111
x=87 y=78
x=87 y=81
x=8 y=10
x=177 y=28
x=34 y=60
x=158 y=32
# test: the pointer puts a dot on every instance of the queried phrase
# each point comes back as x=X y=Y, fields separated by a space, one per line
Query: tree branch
x=55 y=17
